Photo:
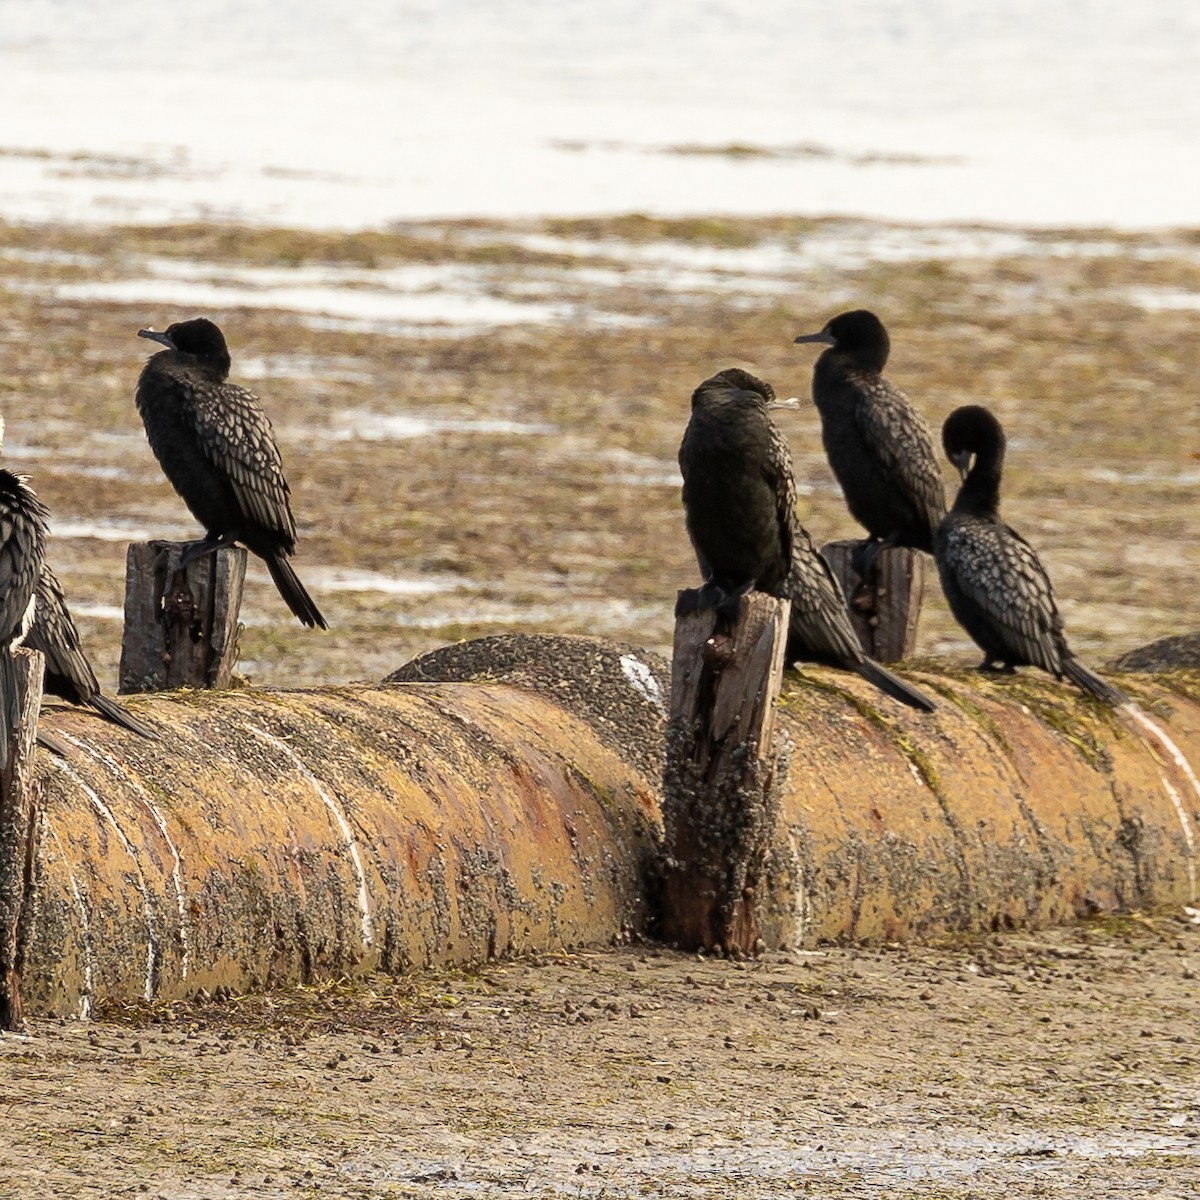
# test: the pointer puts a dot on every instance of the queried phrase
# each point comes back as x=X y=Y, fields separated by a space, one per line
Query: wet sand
x=1052 y=1066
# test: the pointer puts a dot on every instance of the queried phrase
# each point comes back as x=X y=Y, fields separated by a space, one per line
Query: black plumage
x=878 y=445
x=216 y=447
x=69 y=675
x=993 y=579
x=738 y=492
x=739 y=498
x=22 y=552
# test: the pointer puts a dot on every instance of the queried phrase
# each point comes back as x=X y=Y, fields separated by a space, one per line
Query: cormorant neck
x=980 y=491
x=215 y=365
x=861 y=358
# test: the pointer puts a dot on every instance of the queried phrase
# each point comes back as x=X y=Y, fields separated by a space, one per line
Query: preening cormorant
x=879 y=446
x=739 y=499
x=69 y=675
x=215 y=445
x=993 y=579
x=22 y=552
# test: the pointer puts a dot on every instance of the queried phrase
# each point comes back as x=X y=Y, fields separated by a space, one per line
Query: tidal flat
x=479 y=419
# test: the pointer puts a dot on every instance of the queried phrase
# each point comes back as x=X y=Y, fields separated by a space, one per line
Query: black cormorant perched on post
x=879 y=447
x=739 y=498
x=22 y=552
x=993 y=579
x=215 y=445
x=69 y=675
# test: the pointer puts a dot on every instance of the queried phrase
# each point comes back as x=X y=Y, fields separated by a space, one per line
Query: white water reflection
x=106 y=530
x=349 y=424
x=368 y=308
x=1164 y=299
x=336 y=579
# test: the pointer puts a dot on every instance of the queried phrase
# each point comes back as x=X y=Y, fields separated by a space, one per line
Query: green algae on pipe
x=278 y=836
x=1020 y=803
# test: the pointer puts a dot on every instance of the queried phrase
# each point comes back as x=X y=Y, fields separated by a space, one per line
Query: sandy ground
x=1064 y=1064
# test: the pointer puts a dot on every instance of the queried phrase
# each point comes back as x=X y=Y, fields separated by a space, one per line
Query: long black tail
x=1077 y=673
x=122 y=716
x=293 y=591
x=893 y=685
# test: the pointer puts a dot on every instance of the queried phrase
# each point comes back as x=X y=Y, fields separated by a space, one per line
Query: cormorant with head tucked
x=216 y=447
x=878 y=445
x=739 y=499
x=69 y=675
x=993 y=579
x=22 y=552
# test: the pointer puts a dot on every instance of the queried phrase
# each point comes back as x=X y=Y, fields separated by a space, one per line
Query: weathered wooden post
x=18 y=836
x=181 y=627
x=886 y=606
x=719 y=794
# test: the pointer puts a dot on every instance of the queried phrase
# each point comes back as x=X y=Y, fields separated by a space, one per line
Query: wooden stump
x=180 y=626
x=719 y=796
x=886 y=607
x=18 y=837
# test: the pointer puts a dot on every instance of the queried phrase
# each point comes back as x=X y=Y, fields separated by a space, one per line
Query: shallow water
x=305 y=115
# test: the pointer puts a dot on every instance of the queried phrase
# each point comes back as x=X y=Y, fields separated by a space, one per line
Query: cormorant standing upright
x=739 y=499
x=69 y=675
x=994 y=581
x=879 y=446
x=215 y=445
x=22 y=551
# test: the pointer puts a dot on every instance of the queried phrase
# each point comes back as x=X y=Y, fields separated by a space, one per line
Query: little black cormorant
x=216 y=447
x=878 y=445
x=993 y=579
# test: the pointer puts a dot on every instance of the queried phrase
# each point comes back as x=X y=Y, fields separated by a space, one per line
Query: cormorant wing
x=22 y=548
x=819 y=617
x=236 y=438
x=1000 y=572
x=53 y=632
x=899 y=438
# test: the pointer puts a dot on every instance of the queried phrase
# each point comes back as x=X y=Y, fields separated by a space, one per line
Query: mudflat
x=479 y=420
x=1052 y=1065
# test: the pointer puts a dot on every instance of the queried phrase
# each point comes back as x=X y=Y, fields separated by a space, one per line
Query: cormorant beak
x=157 y=337
x=790 y=402
x=824 y=337
x=962 y=460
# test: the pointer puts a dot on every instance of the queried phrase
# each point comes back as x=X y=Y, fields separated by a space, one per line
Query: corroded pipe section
x=508 y=801
x=1021 y=802
x=272 y=837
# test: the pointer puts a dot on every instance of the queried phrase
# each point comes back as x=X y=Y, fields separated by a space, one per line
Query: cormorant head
x=735 y=379
x=972 y=433
x=859 y=335
x=199 y=337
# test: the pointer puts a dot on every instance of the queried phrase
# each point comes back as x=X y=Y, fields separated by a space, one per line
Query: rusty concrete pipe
x=514 y=806
x=1020 y=803
x=273 y=837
